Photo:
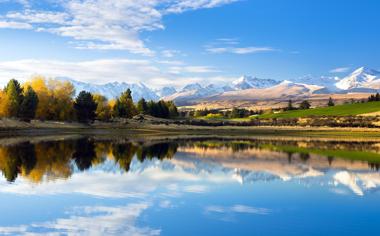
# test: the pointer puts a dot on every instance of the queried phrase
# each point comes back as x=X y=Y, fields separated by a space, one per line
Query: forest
x=50 y=99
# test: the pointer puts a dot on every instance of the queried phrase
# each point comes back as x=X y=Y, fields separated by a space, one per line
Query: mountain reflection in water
x=48 y=160
x=111 y=183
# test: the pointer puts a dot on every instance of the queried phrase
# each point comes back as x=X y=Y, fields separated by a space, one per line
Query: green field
x=341 y=110
x=371 y=157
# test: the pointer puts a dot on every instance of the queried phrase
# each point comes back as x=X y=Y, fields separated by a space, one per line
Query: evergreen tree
x=290 y=105
x=152 y=108
x=13 y=91
x=124 y=106
x=173 y=111
x=235 y=113
x=163 y=109
x=29 y=104
x=331 y=102
x=305 y=105
x=85 y=107
x=142 y=106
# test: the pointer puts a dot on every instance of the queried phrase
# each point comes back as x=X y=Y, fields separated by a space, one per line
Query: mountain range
x=361 y=80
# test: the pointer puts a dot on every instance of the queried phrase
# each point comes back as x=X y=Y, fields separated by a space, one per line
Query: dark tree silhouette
x=28 y=105
x=305 y=105
x=331 y=102
x=85 y=107
x=84 y=153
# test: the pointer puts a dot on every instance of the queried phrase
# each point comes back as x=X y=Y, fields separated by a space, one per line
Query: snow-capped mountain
x=284 y=90
x=113 y=90
x=327 y=82
x=191 y=87
x=362 y=78
x=165 y=91
x=196 y=91
x=248 y=82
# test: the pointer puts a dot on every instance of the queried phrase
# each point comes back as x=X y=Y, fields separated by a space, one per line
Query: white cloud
x=340 y=70
x=230 y=45
x=39 y=16
x=195 y=189
x=92 y=220
x=95 y=71
x=105 y=25
x=171 y=62
x=185 y=5
x=191 y=69
x=237 y=209
x=239 y=50
x=155 y=74
x=170 y=53
x=231 y=41
x=15 y=25
x=104 y=184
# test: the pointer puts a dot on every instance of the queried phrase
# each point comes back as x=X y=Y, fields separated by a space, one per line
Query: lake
x=97 y=185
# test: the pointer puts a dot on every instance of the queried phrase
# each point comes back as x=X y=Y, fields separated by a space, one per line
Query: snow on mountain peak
x=361 y=78
x=248 y=82
x=113 y=89
x=190 y=87
x=166 y=91
x=365 y=70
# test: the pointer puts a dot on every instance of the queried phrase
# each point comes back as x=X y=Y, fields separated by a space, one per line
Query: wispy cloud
x=185 y=5
x=90 y=220
x=191 y=69
x=231 y=45
x=155 y=73
x=15 y=25
x=170 y=53
x=239 y=50
x=228 y=213
x=105 y=25
x=94 y=71
x=340 y=70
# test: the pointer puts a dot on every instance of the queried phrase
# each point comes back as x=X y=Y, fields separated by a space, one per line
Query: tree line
x=49 y=99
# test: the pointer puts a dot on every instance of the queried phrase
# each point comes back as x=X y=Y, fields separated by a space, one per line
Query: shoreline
x=143 y=129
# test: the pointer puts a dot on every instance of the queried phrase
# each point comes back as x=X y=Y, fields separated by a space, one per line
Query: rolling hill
x=341 y=110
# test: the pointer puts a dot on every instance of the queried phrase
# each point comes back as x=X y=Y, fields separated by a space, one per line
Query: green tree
x=29 y=104
x=13 y=91
x=331 y=102
x=142 y=106
x=235 y=113
x=305 y=105
x=163 y=109
x=85 y=107
x=173 y=110
x=290 y=105
x=124 y=106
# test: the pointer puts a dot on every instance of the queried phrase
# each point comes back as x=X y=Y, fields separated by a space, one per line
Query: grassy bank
x=341 y=110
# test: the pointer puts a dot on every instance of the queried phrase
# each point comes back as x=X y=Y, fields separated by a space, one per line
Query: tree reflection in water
x=58 y=159
x=55 y=159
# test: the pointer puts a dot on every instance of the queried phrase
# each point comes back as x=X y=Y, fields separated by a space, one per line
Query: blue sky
x=175 y=42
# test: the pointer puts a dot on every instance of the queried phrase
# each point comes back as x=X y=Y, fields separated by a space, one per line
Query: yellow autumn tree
x=55 y=98
x=4 y=104
x=61 y=94
x=103 y=110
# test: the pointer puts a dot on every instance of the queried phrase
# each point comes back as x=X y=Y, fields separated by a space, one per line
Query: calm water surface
x=200 y=186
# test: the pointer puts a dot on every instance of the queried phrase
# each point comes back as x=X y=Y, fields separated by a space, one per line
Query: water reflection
x=47 y=160
x=120 y=186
